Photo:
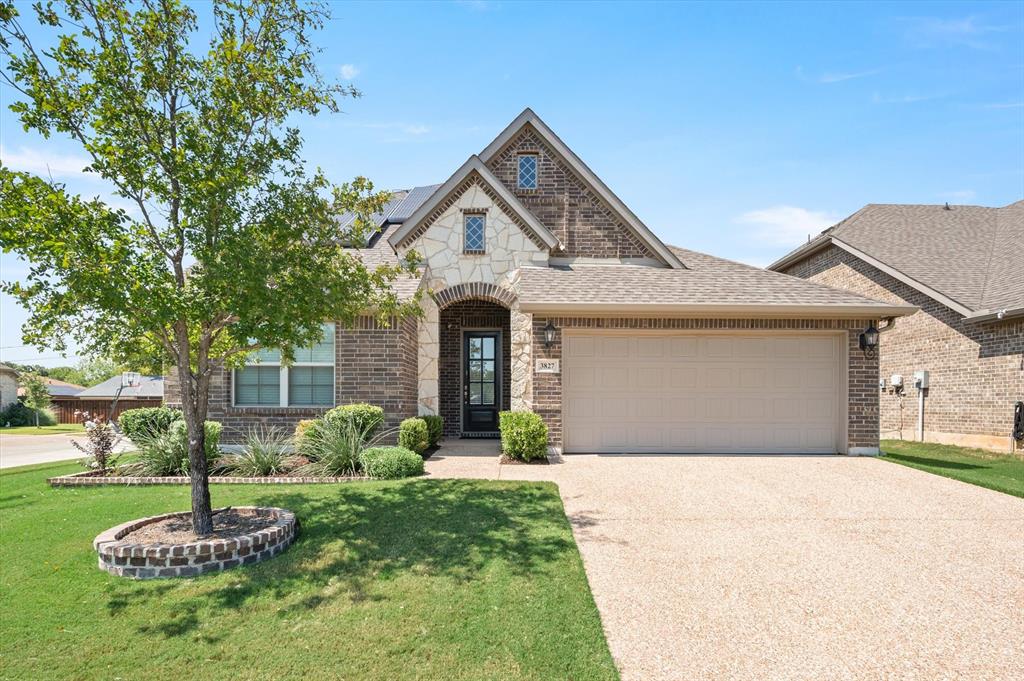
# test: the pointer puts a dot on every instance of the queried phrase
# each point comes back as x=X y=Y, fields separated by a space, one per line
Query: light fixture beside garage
x=869 y=340
x=549 y=334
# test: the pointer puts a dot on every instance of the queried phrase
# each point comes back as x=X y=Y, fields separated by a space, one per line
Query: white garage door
x=702 y=393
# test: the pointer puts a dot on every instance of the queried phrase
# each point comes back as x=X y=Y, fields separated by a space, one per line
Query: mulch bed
x=226 y=524
x=516 y=462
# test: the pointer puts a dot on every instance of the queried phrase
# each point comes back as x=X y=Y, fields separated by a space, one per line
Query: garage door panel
x=649 y=392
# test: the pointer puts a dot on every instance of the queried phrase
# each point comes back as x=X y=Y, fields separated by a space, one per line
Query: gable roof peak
x=472 y=165
x=585 y=174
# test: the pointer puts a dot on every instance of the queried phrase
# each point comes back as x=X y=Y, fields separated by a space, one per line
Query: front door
x=481 y=384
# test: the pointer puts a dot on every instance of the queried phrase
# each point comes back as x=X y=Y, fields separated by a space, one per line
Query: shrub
x=412 y=434
x=523 y=435
x=365 y=417
x=333 y=447
x=17 y=414
x=167 y=453
x=302 y=427
x=147 y=421
x=265 y=453
x=101 y=440
x=391 y=463
x=435 y=428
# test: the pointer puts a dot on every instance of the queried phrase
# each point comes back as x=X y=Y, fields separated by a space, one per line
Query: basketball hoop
x=130 y=379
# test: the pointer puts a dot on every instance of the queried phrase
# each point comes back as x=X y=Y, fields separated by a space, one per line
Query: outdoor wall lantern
x=869 y=340
x=549 y=334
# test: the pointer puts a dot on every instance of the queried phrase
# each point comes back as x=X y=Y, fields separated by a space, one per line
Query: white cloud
x=349 y=71
x=878 y=98
x=840 y=77
x=1005 y=105
x=44 y=163
x=966 y=32
x=786 y=225
x=959 y=195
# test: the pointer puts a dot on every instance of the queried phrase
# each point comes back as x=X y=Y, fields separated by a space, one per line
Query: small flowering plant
x=101 y=440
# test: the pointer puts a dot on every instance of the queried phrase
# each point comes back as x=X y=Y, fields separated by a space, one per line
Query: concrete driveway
x=790 y=567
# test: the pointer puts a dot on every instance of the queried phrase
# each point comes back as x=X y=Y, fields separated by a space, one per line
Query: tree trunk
x=193 y=406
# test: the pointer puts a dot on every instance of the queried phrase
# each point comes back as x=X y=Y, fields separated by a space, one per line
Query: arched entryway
x=474 y=362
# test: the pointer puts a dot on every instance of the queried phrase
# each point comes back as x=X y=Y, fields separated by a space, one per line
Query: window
x=474 y=227
x=308 y=382
x=527 y=171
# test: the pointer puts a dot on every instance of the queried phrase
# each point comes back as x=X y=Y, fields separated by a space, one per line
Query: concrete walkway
x=717 y=567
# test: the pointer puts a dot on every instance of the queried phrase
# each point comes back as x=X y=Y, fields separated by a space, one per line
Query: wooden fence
x=65 y=408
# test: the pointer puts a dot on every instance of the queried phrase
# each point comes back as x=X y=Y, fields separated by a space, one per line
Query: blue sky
x=731 y=129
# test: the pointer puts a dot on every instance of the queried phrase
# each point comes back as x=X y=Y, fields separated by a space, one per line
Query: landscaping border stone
x=93 y=479
x=152 y=561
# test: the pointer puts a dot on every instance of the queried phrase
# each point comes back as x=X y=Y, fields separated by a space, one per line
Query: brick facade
x=976 y=371
x=468 y=314
x=574 y=214
x=373 y=363
x=862 y=372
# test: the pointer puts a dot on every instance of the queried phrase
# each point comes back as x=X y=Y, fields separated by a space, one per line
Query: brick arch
x=475 y=290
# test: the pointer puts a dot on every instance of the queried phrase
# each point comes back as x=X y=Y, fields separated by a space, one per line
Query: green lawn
x=1002 y=473
x=44 y=430
x=417 y=579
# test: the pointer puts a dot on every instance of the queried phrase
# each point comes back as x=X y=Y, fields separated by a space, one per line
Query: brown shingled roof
x=711 y=284
x=968 y=254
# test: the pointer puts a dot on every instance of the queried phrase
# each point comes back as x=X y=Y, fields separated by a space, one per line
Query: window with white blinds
x=308 y=382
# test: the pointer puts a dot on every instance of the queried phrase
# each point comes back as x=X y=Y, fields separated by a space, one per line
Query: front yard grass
x=1003 y=473
x=416 y=579
x=58 y=429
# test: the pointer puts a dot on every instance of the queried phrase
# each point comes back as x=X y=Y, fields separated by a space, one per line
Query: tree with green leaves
x=233 y=244
x=37 y=394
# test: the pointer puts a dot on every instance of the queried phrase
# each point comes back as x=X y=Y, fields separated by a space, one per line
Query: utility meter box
x=896 y=381
x=920 y=380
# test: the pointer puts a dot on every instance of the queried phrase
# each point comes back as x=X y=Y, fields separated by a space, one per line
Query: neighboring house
x=963 y=266
x=57 y=389
x=547 y=293
x=99 y=399
x=8 y=386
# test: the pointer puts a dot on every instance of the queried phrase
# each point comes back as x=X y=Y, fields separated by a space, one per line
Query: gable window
x=308 y=382
x=473 y=224
x=527 y=171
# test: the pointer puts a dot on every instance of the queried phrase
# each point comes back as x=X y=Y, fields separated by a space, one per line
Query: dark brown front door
x=481 y=383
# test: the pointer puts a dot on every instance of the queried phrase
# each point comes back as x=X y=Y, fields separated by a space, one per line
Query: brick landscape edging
x=92 y=479
x=151 y=561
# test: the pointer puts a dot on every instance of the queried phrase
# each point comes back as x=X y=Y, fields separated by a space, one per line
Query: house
x=963 y=266
x=547 y=293
x=8 y=386
x=57 y=388
x=99 y=399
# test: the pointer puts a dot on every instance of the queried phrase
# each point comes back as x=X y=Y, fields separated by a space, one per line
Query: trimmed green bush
x=147 y=421
x=523 y=435
x=412 y=434
x=435 y=428
x=391 y=463
x=17 y=414
x=365 y=417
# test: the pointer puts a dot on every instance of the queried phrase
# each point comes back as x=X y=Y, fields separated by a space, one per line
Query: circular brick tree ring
x=119 y=556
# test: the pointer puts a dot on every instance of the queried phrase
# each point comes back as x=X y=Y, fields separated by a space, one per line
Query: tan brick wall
x=373 y=363
x=976 y=371
x=573 y=213
x=862 y=372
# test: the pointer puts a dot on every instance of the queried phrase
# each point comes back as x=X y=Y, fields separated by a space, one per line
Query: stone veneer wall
x=373 y=363
x=976 y=371
x=862 y=376
x=572 y=212
x=477 y=314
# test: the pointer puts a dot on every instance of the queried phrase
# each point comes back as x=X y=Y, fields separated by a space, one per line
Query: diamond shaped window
x=474 y=240
x=527 y=171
